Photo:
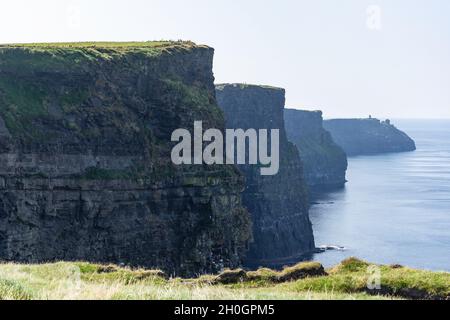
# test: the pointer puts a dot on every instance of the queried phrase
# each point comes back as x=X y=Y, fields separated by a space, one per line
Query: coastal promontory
x=368 y=136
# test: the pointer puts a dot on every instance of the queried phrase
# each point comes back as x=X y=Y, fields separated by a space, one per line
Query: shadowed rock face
x=324 y=162
x=85 y=168
x=278 y=204
x=368 y=136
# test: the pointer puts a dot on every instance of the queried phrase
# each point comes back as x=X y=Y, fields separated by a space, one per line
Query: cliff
x=368 y=136
x=85 y=168
x=324 y=162
x=278 y=204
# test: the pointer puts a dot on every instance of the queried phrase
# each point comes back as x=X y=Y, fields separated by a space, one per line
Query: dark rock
x=87 y=173
x=368 y=136
x=407 y=293
x=231 y=277
x=301 y=271
x=3 y=129
x=278 y=204
x=324 y=162
x=107 y=269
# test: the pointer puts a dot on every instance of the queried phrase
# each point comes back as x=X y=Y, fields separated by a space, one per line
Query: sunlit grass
x=79 y=280
x=101 y=44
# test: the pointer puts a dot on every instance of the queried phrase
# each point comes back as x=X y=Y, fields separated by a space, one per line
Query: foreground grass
x=348 y=280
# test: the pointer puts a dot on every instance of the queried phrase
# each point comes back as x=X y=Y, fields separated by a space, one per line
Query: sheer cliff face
x=85 y=168
x=278 y=204
x=368 y=136
x=325 y=163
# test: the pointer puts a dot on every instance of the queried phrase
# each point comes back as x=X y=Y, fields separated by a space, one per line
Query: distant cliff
x=278 y=204
x=85 y=167
x=368 y=136
x=324 y=162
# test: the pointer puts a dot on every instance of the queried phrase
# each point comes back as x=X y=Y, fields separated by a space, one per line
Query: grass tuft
x=13 y=290
x=351 y=264
x=302 y=270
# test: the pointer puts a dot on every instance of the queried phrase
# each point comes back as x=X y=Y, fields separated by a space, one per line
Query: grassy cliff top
x=222 y=86
x=64 y=56
x=12 y=53
x=50 y=83
x=352 y=119
x=103 y=45
x=293 y=111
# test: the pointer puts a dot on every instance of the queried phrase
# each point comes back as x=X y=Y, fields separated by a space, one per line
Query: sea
x=395 y=208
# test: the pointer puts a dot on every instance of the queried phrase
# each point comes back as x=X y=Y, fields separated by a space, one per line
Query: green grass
x=24 y=100
x=100 y=44
x=13 y=290
x=41 y=55
x=352 y=276
x=81 y=280
x=70 y=56
x=192 y=96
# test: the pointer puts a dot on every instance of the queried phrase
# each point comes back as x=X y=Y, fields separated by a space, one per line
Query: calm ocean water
x=395 y=207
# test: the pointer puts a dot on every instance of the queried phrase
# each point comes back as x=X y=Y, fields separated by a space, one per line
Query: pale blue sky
x=321 y=51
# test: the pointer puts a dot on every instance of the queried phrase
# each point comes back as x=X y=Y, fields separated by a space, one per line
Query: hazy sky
x=388 y=58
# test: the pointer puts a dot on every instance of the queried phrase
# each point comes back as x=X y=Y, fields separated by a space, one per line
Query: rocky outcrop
x=368 y=136
x=278 y=204
x=85 y=167
x=324 y=162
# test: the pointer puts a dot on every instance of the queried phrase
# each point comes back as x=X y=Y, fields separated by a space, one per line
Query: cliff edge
x=85 y=167
x=324 y=162
x=278 y=204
